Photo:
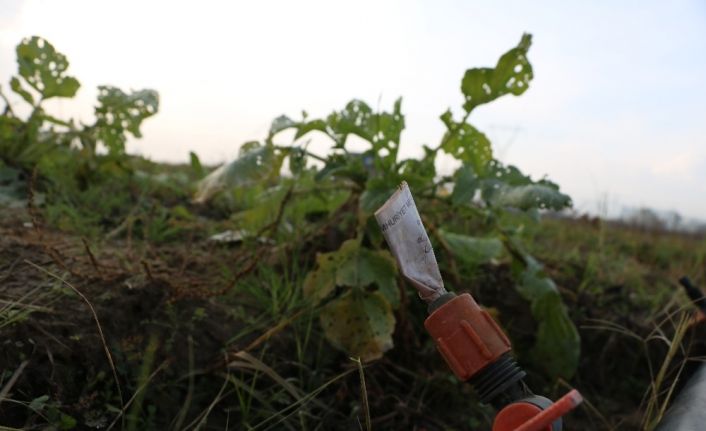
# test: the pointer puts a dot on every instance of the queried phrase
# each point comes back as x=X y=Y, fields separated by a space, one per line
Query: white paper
x=405 y=235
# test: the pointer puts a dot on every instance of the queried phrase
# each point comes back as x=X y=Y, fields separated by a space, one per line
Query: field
x=261 y=294
x=170 y=340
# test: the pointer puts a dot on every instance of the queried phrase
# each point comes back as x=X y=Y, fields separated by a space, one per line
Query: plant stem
x=8 y=107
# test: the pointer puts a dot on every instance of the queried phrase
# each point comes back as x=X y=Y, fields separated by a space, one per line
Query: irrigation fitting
x=470 y=341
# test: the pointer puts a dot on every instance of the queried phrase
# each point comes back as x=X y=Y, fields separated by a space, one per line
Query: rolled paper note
x=408 y=240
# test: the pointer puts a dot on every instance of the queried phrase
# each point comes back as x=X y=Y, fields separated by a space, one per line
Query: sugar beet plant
x=42 y=76
x=67 y=157
x=475 y=215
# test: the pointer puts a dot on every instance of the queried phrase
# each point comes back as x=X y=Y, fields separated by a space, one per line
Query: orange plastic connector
x=467 y=337
x=523 y=416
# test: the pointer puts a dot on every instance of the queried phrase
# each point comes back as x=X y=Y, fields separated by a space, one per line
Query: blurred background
x=616 y=113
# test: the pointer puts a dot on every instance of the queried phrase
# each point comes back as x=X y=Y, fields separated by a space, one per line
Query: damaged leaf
x=512 y=74
x=353 y=266
x=44 y=69
x=119 y=113
x=360 y=323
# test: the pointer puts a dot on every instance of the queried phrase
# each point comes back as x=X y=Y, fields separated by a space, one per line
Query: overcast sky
x=616 y=113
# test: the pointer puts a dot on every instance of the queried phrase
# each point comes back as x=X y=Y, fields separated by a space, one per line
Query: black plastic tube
x=694 y=293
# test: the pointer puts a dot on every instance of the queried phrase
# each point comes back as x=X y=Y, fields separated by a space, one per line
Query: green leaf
x=297 y=160
x=525 y=197
x=13 y=190
x=383 y=130
x=318 y=204
x=475 y=86
x=506 y=186
x=558 y=344
x=419 y=174
x=356 y=118
x=465 y=185
x=255 y=166
x=512 y=74
x=309 y=126
x=16 y=86
x=320 y=282
x=349 y=166
x=248 y=147
x=377 y=191
x=261 y=205
x=11 y=131
x=368 y=267
x=359 y=323
x=38 y=403
x=283 y=122
x=506 y=174
x=196 y=166
x=280 y=123
x=472 y=250
x=44 y=68
x=388 y=128
x=67 y=422
x=119 y=113
x=54 y=120
x=466 y=143
x=353 y=266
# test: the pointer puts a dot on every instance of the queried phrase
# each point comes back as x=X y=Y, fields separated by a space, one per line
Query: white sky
x=616 y=112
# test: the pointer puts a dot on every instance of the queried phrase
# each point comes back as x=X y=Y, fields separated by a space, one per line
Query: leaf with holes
x=507 y=174
x=356 y=118
x=529 y=196
x=388 y=130
x=43 y=68
x=466 y=143
x=382 y=130
x=118 y=113
x=359 y=323
x=512 y=74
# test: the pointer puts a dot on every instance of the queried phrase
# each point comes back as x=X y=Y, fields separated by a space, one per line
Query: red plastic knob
x=524 y=416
